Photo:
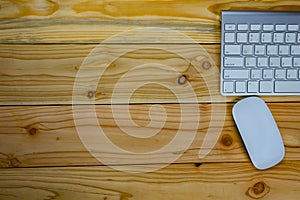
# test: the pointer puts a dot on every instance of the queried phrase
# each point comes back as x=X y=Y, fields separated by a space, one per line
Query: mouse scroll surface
x=259 y=132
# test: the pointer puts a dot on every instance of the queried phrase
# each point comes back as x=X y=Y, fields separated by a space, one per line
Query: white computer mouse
x=259 y=132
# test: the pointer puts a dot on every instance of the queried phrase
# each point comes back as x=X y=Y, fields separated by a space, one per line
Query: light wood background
x=42 y=46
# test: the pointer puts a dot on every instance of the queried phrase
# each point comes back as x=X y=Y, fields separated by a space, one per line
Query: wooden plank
x=46 y=135
x=178 y=181
x=45 y=74
x=38 y=74
x=91 y=21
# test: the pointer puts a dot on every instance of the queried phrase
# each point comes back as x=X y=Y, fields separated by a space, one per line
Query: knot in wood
x=227 y=140
x=258 y=190
x=182 y=80
x=206 y=65
x=32 y=131
x=14 y=162
x=90 y=94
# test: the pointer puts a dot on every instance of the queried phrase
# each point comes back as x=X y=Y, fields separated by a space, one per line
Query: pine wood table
x=43 y=46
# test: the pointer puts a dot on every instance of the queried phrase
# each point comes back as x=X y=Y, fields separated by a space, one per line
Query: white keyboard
x=260 y=53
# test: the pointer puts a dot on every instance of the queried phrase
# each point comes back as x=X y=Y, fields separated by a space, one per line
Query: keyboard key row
x=271 y=50
x=266 y=74
x=264 y=27
x=254 y=37
x=274 y=62
x=261 y=86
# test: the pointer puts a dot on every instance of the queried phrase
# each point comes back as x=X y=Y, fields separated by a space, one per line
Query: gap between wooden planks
x=177 y=181
x=46 y=135
x=45 y=74
x=92 y=21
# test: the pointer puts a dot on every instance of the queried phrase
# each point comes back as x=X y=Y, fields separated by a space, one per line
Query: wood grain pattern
x=42 y=46
x=178 y=181
x=93 y=21
x=46 y=135
x=45 y=74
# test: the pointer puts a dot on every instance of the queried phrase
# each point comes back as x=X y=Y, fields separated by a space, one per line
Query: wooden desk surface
x=42 y=47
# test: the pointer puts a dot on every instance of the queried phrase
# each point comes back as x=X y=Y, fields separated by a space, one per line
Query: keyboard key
x=279 y=74
x=295 y=50
x=262 y=61
x=280 y=27
x=266 y=86
x=291 y=74
x=228 y=87
x=252 y=86
x=278 y=37
x=255 y=27
x=290 y=37
x=298 y=38
x=242 y=37
x=268 y=27
x=287 y=86
x=254 y=37
x=242 y=27
x=240 y=87
x=236 y=74
x=229 y=27
x=229 y=38
x=284 y=49
x=259 y=49
x=286 y=62
x=266 y=37
x=274 y=62
x=293 y=27
x=233 y=61
x=296 y=62
x=256 y=74
x=232 y=50
x=247 y=50
x=267 y=74
x=272 y=50
x=250 y=61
